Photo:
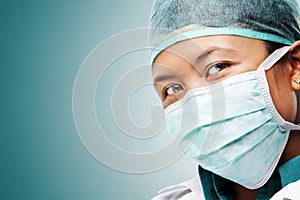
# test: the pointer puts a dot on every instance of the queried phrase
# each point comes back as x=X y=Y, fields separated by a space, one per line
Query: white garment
x=188 y=190
x=192 y=190
x=289 y=192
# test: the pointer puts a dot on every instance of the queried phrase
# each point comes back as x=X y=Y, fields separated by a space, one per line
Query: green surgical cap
x=177 y=20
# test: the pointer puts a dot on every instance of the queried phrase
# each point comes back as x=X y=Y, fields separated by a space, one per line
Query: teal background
x=43 y=46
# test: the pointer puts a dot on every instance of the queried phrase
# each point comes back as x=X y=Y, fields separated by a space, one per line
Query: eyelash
x=165 y=91
x=220 y=67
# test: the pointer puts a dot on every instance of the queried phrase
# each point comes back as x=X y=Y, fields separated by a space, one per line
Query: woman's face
x=206 y=60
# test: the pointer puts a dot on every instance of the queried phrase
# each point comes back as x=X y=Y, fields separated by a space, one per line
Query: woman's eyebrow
x=211 y=50
x=163 y=78
x=202 y=56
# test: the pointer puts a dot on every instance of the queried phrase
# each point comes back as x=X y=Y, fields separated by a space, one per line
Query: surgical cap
x=177 y=20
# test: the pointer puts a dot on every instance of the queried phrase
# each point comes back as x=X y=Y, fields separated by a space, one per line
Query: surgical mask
x=232 y=128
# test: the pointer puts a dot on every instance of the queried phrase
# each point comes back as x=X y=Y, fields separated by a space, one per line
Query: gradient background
x=42 y=157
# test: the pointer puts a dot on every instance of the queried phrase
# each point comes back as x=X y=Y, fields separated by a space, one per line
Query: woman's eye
x=173 y=89
x=214 y=69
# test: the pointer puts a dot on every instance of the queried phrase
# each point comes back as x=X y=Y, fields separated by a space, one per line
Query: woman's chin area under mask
x=207 y=60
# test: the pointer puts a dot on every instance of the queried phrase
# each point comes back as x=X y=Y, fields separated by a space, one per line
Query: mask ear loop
x=298 y=106
x=264 y=87
x=272 y=59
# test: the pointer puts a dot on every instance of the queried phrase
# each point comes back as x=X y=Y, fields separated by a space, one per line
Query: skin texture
x=206 y=60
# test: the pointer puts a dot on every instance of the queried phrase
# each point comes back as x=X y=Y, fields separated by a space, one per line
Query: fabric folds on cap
x=177 y=20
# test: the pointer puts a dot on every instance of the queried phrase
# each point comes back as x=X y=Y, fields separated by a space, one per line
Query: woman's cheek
x=282 y=94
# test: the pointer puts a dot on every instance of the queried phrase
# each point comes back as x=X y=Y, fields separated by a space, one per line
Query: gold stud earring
x=297 y=81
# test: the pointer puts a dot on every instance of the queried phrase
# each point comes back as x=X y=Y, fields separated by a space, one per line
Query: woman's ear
x=295 y=63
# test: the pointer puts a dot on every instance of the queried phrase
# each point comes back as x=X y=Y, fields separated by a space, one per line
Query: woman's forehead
x=194 y=49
